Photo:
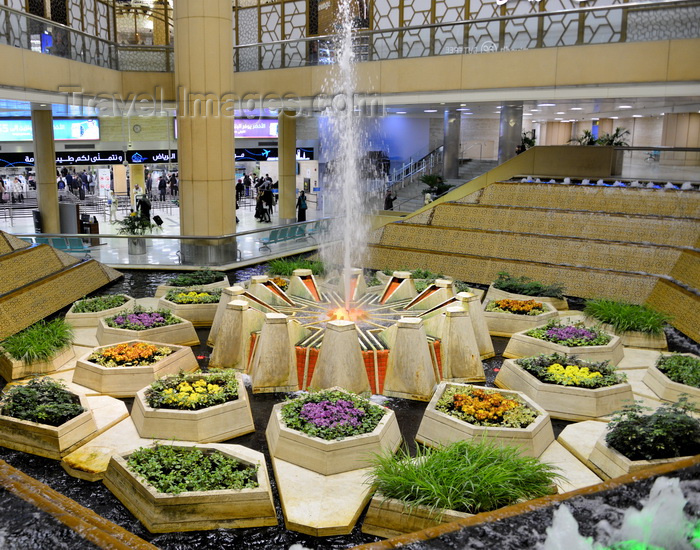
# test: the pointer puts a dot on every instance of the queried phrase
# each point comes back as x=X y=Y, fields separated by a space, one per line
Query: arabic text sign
x=85 y=129
x=260 y=128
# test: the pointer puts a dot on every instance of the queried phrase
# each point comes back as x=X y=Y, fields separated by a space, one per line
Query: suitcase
x=158 y=220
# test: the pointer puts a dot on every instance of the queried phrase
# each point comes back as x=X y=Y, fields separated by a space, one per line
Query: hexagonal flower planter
x=330 y=457
x=564 y=402
x=612 y=463
x=667 y=389
x=437 y=428
x=194 y=510
x=216 y=423
x=200 y=315
x=507 y=324
x=162 y=290
x=13 y=369
x=81 y=320
x=521 y=345
x=633 y=338
x=495 y=294
x=48 y=441
x=126 y=381
x=182 y=334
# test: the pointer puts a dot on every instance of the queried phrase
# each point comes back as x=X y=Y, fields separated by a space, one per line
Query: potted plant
x=38 y=349
x=436 y=186
x=638 y=326
x=204 y=278
x=524 y=288
x=188 y=487
x=462 y=411
x=567 y=387
x=136 y=226
x=449 y=483
x=331 y=431
x=196 y=305
x=570 y=339
x=155 y=326
x=636 y=439
x=43 y=418
x=86 y=312
x=675 y=375
x=197 y=407
x=121 y=370
x=506 y=317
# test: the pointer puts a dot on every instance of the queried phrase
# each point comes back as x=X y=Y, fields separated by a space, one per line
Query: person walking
x=389 y=200
x=301 y=207
x=113 y=204
x=162 y=187
x=268 y=200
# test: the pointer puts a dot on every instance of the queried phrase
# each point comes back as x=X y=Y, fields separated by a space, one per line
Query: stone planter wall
x=437 y=428
x=48 y=441
x=632 y=338
x=330 y=457
x=564 y=402
x=507 y=324
x=12 y=369
x=521 y=345
x=162 y=290
x=126 y=381
x=81 y=320
x=667 y=389
x=194 y=511
x=496 y=294
x=217 y=423
x=182 y=334
x=200 y=315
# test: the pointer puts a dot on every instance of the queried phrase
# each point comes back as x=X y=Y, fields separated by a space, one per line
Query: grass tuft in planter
x=669 y=432
x=39 y=342
x=42 y=400
x=200 y=277
x=557 y=368
x=524 y=285
x=176 y=470
x=627 y=317
x=681 y=369
x=99 y=303
x=285 y=266
x=466 y=476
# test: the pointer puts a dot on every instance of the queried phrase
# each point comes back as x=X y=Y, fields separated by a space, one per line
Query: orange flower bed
x=129 y=355
x=484 y=407
x=519 y=307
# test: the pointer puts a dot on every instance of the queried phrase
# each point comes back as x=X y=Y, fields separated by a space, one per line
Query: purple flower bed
x=330 y=415
x=142 y=320
x=575 y=335
x=570 y=332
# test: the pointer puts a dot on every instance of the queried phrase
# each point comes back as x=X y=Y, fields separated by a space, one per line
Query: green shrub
x=538 y=365
x=177 y=470
x=99 y=303
x=668 y=432
x=286 y=266
x=462 y=286
x=467 y=476
x=624 y=316
x=40 y=341
x=42 y=400
x=682 y=369
x=526 y=286
x=196 y=278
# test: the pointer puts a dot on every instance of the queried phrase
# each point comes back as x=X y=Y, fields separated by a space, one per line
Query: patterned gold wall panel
x=582 y=282
x=687 y=269
x=650 y=229
x=7 y=243
x=604 y=199
x=681 y=304
x=24 y=266
x=552 y=250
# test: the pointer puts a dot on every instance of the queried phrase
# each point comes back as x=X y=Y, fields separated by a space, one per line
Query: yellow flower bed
x=571 y=375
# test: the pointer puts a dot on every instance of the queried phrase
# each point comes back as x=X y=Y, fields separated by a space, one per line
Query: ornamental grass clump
x=518 y=307
x=192 y=392
x=466 y=476
x=559 y=369
x=176 y=470
x=624 y=317
x=285 y=266
x=526 y=286
x=42 y=400
x=39 y=342
x=197 y=296
x=682 y=369
x=136 y=354
x=138 y=319
x=573 y=335
x=482 y=407
x=331 y=414
x=99 y=303
x=197 y=278
x=668 y=432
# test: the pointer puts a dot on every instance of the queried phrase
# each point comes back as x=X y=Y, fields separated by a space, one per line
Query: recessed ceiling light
x=662 y=114
x=430 y=110
x=546 y=104
x=637 y=116
x=535 y=110
x=466 y=113
x=595 y=119
x=577 y=108
x=499 y=107
x=441 y=103
x=462 y=109
x=561 y=113
x=527 y=114
x=462 y=104
x=557 y=118
x=614 y=117
x=400 y=112
x=42 y=105
x=625 y=107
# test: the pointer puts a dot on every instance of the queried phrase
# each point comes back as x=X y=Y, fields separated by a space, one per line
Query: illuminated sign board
x=255 y=128
x=69 y=129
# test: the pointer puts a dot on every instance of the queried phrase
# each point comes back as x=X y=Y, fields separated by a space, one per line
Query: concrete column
x=274 y=366
x=450 y=156
x=461 y=361
x=511 y=129
x=471 y=303
x=340 y=360
x=287 y=151
x=229 y=352
x=45 y=168
x=136 y=177
x=204 y=81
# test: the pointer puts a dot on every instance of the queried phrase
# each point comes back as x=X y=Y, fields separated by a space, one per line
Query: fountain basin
x=182 y=334
x=82 y=320
x=507 y=324
x=195 y=510
x=495 y=294
x=162 y=290
x=564 y=402
x=217 y=423
x=437 y=428
x=521 y=345
x=13 y=369
x=667 y=389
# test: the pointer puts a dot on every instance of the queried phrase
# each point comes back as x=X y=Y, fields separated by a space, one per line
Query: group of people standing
x=12 y=189
x=80 y=184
